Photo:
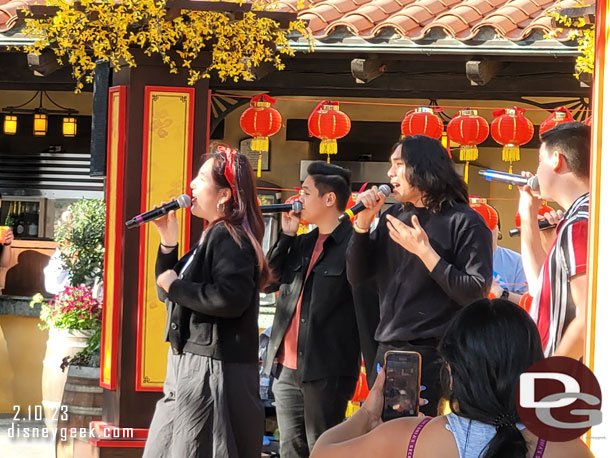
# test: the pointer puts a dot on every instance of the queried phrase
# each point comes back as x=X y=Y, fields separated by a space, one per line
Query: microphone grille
x=297 y=206
x=533 y=182
x=183 y=201
x=385 y=190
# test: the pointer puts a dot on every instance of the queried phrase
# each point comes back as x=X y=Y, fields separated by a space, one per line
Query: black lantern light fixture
x=41 y=116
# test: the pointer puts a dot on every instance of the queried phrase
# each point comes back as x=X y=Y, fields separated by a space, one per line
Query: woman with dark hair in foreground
x=486 y=348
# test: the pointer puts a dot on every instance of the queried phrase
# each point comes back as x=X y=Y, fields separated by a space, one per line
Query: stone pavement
x=31 y=447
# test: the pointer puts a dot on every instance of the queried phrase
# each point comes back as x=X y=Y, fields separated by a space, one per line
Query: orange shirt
x=287 y=354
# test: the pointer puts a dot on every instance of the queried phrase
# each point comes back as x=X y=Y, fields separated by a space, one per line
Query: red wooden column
x=157 y=134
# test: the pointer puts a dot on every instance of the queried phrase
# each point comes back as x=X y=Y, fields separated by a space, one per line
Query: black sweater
x=414 y=302
x=213 y=308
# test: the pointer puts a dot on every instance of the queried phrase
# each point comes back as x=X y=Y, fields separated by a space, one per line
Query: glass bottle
x=20 y=227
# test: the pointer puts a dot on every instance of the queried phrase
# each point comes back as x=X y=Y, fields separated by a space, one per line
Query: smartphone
x=402 y=384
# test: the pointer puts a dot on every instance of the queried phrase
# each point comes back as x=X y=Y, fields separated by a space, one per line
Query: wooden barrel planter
x=81 y=403
x=61 y=343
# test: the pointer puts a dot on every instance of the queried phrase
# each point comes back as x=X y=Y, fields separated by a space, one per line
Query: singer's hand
x=166 y=279
x=553 y=217
x=290 y=223
x=167 y=226
x=373 y=200
x=413 y=239
x=529 y=203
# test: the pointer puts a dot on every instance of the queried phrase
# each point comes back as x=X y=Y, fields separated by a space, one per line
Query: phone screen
x=402 y=384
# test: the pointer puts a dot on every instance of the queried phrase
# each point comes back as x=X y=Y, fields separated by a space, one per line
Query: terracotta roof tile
x=513 y=20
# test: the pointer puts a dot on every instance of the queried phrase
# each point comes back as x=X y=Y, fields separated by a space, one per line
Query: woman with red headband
x=211 y=405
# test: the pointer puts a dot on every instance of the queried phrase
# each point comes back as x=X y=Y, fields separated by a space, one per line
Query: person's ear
x=225 y=195
x=557 y=160
x=330 y=199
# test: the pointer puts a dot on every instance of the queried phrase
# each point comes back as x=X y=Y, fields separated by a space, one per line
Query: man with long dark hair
x=314 y=338
x=558 y=278
x=429 y=255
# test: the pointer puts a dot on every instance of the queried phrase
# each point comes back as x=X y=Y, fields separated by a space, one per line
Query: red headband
x=229 y=173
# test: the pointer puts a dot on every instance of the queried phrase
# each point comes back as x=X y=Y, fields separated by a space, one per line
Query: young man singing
x=558 y=279
x=314 y=339
x=429 y=255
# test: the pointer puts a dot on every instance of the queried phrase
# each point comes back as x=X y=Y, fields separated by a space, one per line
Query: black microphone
x=351 y=212
x=182 y=201
x=542 y=225
x=295 y=206
x=510 y=178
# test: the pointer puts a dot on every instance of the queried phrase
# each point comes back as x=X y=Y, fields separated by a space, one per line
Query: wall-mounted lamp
x=41 y=117
x=69 y=126
x=41 y=123
x=10 y=124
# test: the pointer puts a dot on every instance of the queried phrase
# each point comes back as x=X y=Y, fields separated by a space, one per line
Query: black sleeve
x=233 y=270
x=164 y=262
x=277 y=257
x=363 y=253
x=469 y=277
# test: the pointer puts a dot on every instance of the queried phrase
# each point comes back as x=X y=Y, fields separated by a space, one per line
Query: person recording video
x=314 y=351
x=430 y=255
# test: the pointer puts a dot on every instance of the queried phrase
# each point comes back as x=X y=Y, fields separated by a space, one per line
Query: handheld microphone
x=510 y=178
x=295 y=206
x=182 y=201
x=351 y=212
x=542 y=225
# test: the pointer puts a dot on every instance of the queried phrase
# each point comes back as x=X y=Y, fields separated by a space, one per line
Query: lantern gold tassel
x=469 y=153
x=510 y=170
x=328 y=146
x=260 y=144
x=466 y=172
x=510 y=153
x=259 y=165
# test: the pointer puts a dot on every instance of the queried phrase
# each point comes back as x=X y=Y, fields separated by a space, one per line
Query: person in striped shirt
x=558 y=278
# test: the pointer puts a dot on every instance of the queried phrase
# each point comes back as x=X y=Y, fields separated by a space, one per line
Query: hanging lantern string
x=436 y=108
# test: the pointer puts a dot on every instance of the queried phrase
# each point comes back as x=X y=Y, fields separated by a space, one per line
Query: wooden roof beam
x=481 y=72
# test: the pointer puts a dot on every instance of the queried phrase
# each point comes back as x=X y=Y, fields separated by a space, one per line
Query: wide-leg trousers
x=209 y=409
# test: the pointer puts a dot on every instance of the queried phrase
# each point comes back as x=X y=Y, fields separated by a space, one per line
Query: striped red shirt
x=553 y=307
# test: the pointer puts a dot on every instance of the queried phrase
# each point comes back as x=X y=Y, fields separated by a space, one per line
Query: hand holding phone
x=402 y=384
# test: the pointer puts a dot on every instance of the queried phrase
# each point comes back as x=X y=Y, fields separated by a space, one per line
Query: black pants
x=431 y=369
x=306 y=409
x=210 y=409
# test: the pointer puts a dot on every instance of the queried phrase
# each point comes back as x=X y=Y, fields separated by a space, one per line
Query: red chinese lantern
x=489 y=214
x=362 y=387
x=328 y=123
x=260 y=121
x=422 y=121
x=511 y=129
x=558 y=116
x=468 y=129
x=541 y=211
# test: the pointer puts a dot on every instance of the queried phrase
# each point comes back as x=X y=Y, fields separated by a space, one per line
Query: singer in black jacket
x=211 y=405
x=430 y=254
x=314 y=351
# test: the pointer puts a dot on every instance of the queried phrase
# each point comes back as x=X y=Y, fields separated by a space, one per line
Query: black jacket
x=415 y=303
x=328 y=342
x=212 y=310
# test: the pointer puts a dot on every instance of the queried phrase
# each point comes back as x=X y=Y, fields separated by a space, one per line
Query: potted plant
x=73 y=317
